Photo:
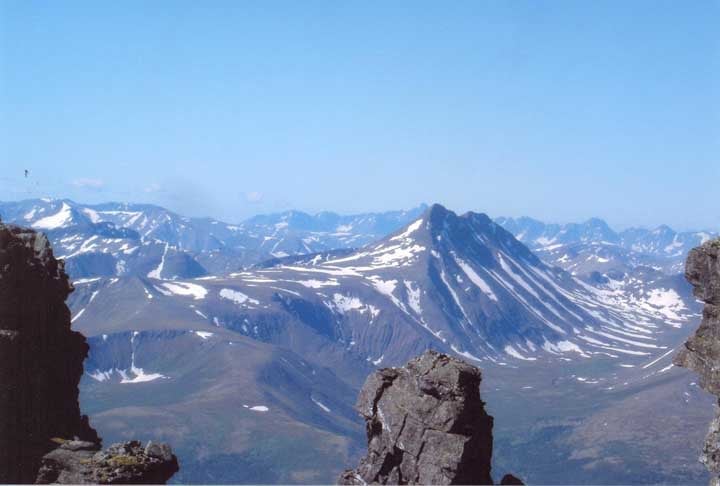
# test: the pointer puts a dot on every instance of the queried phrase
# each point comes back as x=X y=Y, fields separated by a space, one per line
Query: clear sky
x=553 y=109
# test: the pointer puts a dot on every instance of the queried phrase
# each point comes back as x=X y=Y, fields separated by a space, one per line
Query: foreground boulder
x=701 y=352
x=41 y=363
x=426 y=424
x=80 y=462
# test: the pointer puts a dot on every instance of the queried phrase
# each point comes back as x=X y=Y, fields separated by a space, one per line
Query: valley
x=251 y=368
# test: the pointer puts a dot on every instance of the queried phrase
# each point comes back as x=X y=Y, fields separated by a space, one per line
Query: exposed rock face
x=701 y=352
x=79 y=462
x=426 y=424
x=41 y=358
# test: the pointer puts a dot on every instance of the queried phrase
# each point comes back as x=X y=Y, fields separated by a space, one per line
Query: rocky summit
x=701 y=352
x=80 y=462
x=41 y=362
x=426 y=424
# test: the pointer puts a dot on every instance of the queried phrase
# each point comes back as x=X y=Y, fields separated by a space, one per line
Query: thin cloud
x=88 y=183
x=254 y=197
x=153 y=188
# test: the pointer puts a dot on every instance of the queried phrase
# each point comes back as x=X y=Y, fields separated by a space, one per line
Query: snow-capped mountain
x=592 y=246
x=295 y=232
x=282 y=348
x=461 y=284
x=663 y=241
x=115 y=239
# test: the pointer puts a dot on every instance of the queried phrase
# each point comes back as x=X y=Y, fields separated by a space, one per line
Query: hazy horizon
x=611 y=224
x=385 y=342
x=560 y=111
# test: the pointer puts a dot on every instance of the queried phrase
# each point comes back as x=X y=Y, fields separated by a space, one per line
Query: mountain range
x=251 y=369
x=592 y=246
x=117 y=239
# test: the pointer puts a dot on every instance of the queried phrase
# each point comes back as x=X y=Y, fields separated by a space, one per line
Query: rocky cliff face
x=701 y=352
x=41 y=359
x=41 y=362
x=426 y=424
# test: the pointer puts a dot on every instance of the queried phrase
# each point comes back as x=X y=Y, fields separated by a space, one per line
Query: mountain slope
x=457 y=283
x=115 y=239
x=299 y=335
x=237 y=410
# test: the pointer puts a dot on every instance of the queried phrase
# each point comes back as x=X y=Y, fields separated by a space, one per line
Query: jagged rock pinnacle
x=426 y=424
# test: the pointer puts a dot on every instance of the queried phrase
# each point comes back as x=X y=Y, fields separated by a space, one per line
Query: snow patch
x=186 y=289
x=511 y=351
x=412 y=227
x=257 y=408
x=237 y=297
x=317 y=284
x=413 y=297
x=475 y=278
x=204 y=334
x=320 y=404
x=344 y=303
x=93 y=215
x=77 y=316
x=57 y=220
x=157 y=273
x=464 y=354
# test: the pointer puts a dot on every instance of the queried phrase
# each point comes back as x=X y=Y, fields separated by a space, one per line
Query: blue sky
x=558 y=110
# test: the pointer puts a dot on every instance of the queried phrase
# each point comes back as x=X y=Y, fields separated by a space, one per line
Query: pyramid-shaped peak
x=481 y=218
x=437 y=212
x=439 y=217
x=597 y=223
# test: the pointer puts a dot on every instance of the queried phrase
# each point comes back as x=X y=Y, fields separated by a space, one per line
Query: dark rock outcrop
x=510 y=480
x=701 y=352
x=79 y=462
x=41 y=359
x=41 y=363
x=426 y=424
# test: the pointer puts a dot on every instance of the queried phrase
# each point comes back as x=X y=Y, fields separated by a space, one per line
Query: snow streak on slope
x=460 y=284
x=130 y=375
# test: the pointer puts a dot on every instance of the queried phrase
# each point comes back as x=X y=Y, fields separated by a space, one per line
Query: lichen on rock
x=81 y=462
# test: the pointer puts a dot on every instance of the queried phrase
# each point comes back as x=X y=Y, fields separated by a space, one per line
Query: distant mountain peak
x=437 y=214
